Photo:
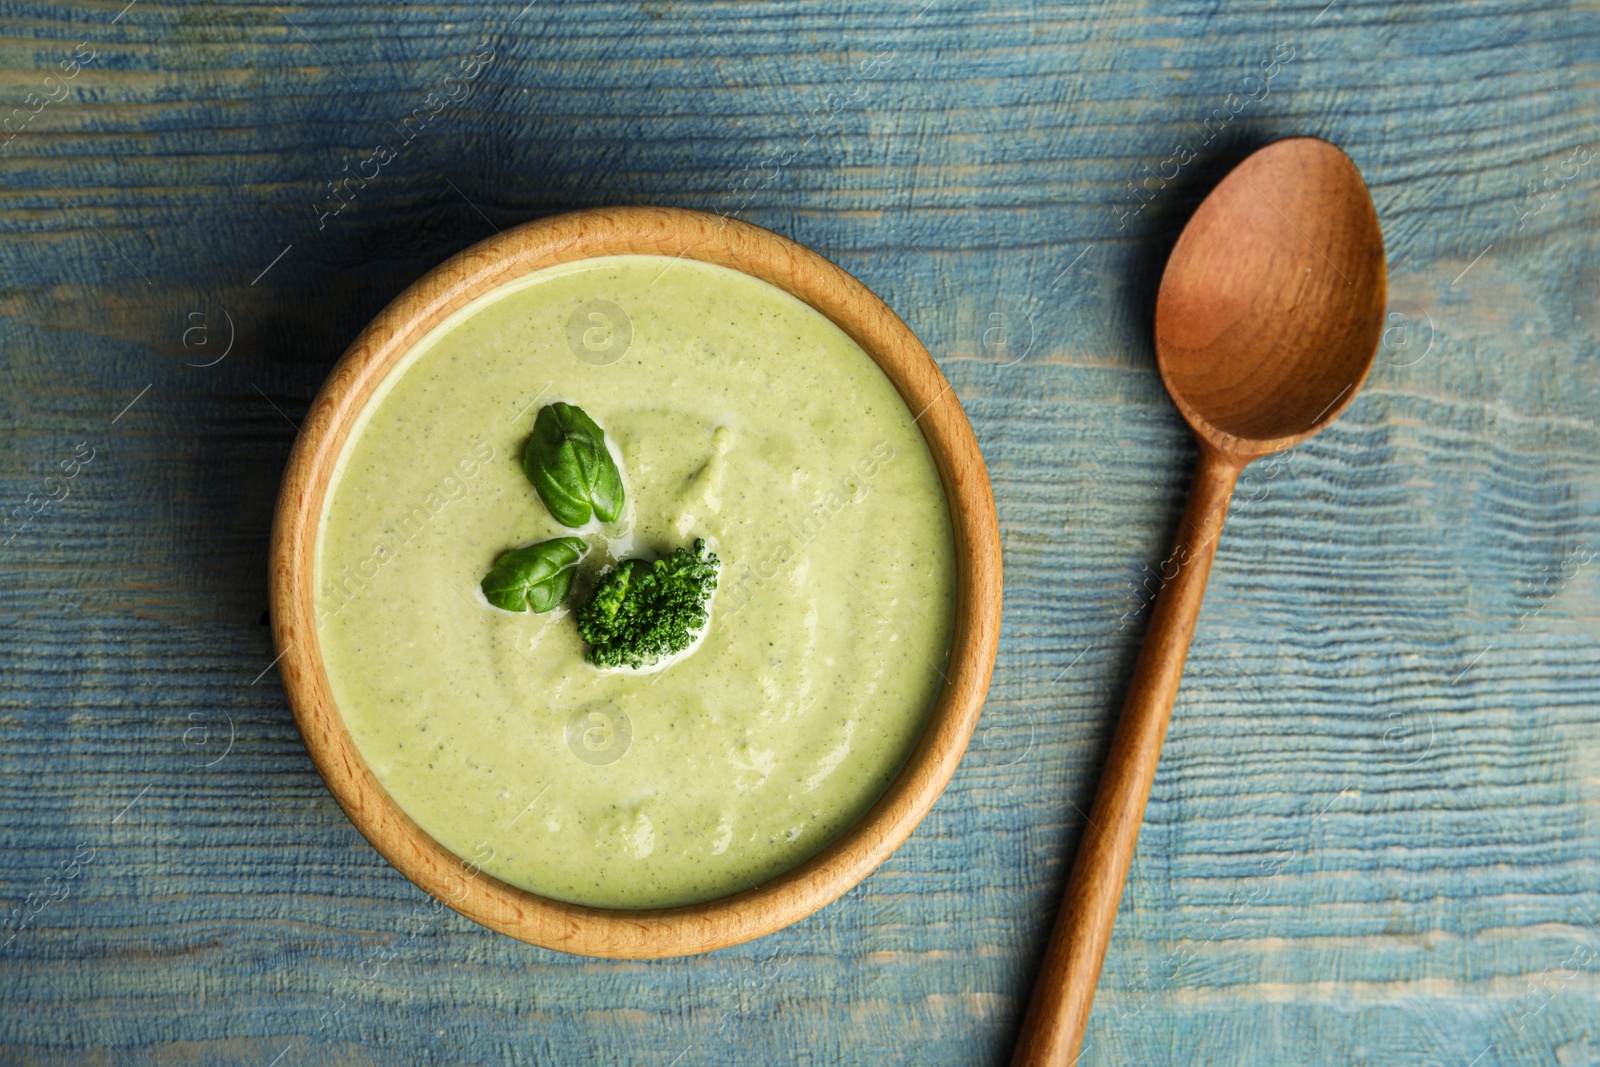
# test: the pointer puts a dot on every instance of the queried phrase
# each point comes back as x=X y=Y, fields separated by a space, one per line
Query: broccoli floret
x=641 y=611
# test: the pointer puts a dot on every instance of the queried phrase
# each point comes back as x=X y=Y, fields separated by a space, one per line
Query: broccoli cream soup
x=735 y=415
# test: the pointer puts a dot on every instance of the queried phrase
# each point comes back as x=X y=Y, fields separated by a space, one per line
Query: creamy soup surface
x=740 y=415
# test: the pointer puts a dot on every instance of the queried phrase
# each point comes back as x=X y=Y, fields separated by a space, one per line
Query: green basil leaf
x=537 y=576
x=568 y=463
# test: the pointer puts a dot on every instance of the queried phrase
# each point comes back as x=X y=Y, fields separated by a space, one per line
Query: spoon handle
x=1053 y=1028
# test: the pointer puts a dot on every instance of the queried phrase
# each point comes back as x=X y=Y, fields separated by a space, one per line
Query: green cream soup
x=739 y=415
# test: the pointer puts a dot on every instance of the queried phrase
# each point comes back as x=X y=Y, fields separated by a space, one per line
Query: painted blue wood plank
x=1373 y=835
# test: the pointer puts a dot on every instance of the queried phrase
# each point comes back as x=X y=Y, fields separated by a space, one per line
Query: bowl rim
x=793 y=894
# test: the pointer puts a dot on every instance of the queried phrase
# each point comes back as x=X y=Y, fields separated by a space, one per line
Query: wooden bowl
x=787 y=897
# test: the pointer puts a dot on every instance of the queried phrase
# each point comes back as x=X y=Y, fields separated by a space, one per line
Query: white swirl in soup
x=657 y=661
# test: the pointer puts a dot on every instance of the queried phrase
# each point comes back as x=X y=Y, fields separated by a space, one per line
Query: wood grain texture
x=1052 y=1030
x=1373 y=838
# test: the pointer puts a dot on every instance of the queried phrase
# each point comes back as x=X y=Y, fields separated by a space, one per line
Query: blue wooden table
x=1375 y=837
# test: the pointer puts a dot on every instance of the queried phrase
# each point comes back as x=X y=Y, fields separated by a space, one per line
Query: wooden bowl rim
x=787 y=897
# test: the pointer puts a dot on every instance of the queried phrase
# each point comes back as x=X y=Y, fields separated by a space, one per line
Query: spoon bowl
x=1266 y=325
x=1272 y=302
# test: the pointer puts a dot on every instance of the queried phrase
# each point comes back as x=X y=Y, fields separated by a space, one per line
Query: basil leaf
x=568 y=463
x=537 y=576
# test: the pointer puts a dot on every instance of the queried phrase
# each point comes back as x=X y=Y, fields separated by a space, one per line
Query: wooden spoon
x=1266 y=324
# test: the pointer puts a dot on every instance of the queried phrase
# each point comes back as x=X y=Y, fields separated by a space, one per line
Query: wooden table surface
x=1374 y=836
